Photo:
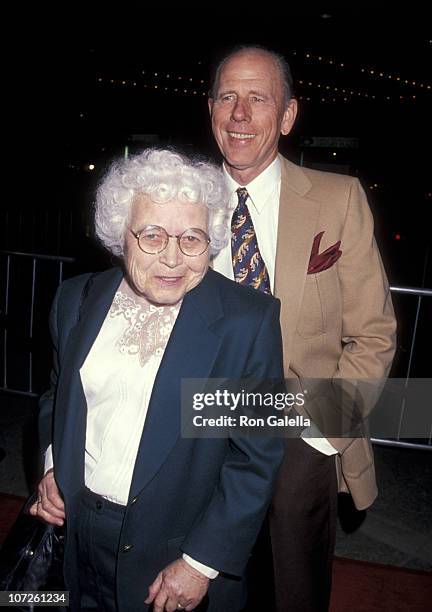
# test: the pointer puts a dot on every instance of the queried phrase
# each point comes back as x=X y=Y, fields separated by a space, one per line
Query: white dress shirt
x=263 y=205
x=118 y=377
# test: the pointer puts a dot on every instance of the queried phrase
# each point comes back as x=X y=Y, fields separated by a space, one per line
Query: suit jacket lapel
x=190 y=353
x=297 y=226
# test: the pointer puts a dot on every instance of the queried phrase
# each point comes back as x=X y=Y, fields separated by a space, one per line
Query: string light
x=352 y=92
x=335 y=94
x=367 y=70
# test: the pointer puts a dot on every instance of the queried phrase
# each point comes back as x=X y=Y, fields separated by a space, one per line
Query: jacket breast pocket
x=320 y=305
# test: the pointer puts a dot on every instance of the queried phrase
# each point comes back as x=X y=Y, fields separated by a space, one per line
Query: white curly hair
x=162 y=175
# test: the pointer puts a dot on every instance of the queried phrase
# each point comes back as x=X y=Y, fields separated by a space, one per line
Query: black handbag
x=31 y=557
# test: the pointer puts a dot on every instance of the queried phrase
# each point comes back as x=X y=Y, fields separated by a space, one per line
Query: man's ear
x=210 y=102
x=289 y=117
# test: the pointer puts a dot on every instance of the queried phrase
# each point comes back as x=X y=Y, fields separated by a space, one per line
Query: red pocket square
x=321 y=261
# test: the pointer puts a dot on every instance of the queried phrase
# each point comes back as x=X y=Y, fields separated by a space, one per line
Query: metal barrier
x=397 y=442
x=35 y=258
x=60 y=261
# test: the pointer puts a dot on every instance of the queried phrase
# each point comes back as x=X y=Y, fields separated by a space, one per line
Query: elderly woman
x=154 y=518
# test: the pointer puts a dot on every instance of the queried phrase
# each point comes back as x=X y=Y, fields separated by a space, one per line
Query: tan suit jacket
x=339 y=322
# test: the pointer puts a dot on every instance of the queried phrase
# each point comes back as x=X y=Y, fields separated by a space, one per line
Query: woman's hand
x=49 y=506
x=178 y=587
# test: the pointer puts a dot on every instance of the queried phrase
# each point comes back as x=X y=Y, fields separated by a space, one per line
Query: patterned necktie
x=248 y=265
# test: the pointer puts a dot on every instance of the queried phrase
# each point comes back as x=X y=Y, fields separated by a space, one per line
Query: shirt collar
x=260 y=188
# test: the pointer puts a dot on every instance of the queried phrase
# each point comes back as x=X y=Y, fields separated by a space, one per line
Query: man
x=309 y=236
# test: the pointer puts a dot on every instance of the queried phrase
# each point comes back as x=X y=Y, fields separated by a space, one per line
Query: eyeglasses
x=153 y=239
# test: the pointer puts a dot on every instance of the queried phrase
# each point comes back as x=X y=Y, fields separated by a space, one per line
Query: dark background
x=91 y=79
x=94 y=79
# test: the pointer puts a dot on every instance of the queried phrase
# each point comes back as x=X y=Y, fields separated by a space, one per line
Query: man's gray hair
x=281 y=62
x=162 y=175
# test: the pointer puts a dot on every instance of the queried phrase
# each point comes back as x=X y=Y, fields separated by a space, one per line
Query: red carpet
x=358 y=586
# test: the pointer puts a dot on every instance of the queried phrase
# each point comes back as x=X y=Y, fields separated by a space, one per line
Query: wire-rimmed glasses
x=153 y=239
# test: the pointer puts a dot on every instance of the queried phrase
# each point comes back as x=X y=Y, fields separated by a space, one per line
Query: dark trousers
x=302 y=522
x=98 y=533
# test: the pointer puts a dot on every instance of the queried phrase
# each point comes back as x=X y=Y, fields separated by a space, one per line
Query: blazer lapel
x=297 y=225
x=70 y=393
x=190 y=353
x=93 y=313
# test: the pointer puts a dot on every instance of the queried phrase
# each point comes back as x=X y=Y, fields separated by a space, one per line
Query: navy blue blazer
x=205 y=497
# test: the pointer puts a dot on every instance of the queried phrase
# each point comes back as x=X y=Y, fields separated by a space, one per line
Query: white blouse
x=118 y=377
